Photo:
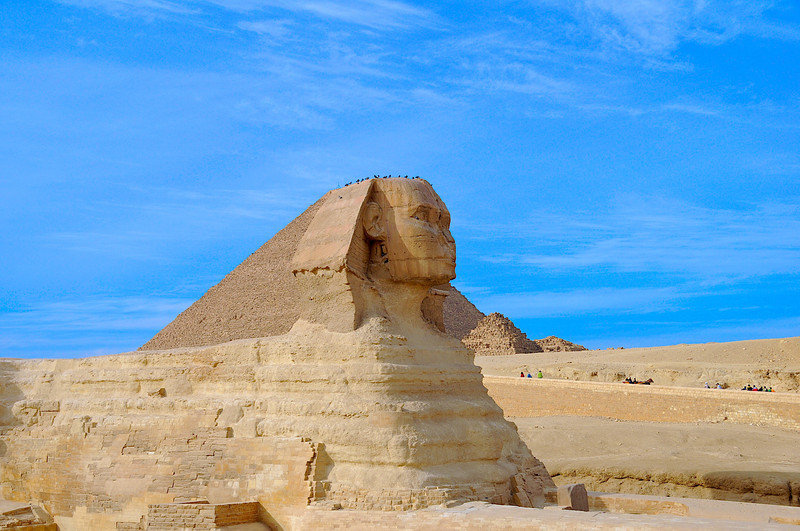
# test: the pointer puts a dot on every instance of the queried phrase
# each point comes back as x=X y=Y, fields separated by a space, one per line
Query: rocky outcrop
x=496 y=335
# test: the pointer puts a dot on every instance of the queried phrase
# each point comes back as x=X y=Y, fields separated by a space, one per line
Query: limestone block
x=229 y=415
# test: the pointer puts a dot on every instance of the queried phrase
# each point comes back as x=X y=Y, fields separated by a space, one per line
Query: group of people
x=379 y=177
x=748 y=387
x=763 y=389
x=630 y=380
x=538 y=375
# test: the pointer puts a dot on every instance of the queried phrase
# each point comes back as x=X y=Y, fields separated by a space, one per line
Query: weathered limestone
x=364 y=403
x=199 y=515
x=25 y=517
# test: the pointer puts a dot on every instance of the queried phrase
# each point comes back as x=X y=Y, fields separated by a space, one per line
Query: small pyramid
x=496 y=335
x=556 y=344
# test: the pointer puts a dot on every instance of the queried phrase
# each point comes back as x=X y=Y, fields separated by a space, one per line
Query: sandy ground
x=713 y=461
x=767 y=362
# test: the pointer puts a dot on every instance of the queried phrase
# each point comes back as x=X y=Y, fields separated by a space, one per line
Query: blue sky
x=620 y=173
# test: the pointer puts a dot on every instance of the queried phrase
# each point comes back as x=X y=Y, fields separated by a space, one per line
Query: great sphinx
x=365 y=403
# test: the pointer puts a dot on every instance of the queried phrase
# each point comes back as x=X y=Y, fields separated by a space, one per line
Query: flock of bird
x=380 y=177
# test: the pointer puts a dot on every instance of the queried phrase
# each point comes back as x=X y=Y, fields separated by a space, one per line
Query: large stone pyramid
x=260 y=298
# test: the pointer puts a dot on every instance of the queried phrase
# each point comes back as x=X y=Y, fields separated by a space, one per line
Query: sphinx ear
x=373 y=221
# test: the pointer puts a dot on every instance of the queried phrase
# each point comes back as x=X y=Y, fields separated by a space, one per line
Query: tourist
x=522 y=374
x=529 y=375
x=706 y=386
x=540 y=375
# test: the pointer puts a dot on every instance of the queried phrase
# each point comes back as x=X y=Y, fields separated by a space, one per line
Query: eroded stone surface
x=365 y=402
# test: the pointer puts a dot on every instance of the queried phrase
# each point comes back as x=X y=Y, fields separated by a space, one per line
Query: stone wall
x=525 y=397
x=169 y=516
x=92 y=476
x=371 y=421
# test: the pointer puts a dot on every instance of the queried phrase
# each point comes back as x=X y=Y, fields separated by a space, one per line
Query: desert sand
x=722 y=460
x=767 y=362
x=698 y=460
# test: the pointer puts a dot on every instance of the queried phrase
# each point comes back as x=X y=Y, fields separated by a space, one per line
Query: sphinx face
x=419 y=245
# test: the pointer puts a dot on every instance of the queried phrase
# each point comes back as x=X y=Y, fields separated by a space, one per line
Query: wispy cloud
x=312 y=63
x=96 y=313
x=659 y=27
x=374 y=14
x=541 y=304
x=275 y=28
x=196 y=215
x=137 y=7
x=659 y=235
x=88 y=326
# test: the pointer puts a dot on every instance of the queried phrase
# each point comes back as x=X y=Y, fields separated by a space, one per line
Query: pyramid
x=260 y=298
x=556 y=344
x=496 y=335
x=460 y=315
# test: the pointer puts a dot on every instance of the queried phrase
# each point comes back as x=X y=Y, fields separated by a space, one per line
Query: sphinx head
x=407 y=226
x=382 y=235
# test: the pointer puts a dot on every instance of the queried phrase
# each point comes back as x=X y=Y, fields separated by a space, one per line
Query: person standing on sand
x=540 y=375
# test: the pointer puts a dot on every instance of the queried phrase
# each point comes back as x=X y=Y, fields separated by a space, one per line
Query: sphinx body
x=365 y=402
